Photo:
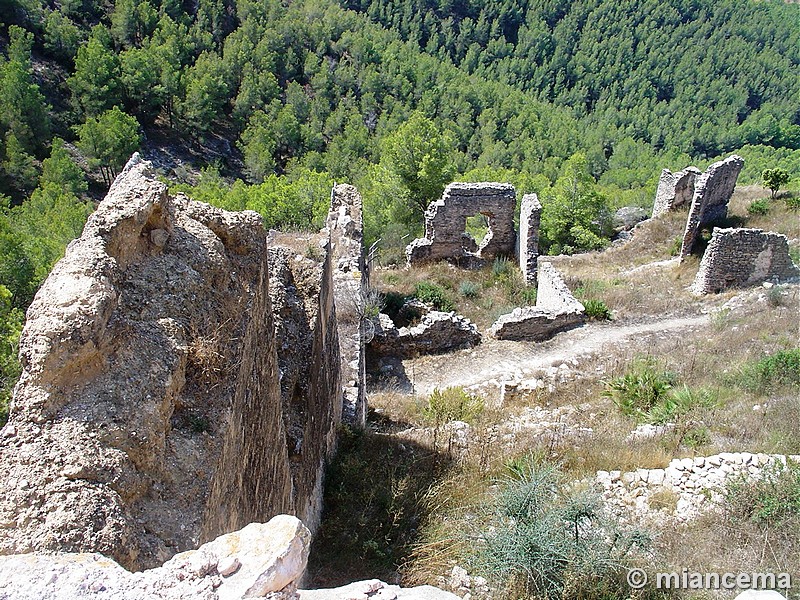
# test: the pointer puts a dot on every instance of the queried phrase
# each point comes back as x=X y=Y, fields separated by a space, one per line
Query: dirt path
x=497 y=361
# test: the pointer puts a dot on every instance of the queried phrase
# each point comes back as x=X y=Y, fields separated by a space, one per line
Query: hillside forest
x=264 y=104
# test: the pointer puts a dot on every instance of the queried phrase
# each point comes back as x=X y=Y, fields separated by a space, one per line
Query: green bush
x=792 y=201
x=501 y=266
x=528 y=296
x=597 y=310
x=452 y=404
x=758 y=207
x=541 y=539
x=772 y=500
x=641 y=389
x=679 y=402
x=469 y=289
x=777 y=370
x=392 y=303
x=434 y=295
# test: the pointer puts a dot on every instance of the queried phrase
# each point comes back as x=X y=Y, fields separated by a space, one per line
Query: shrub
x=468 y=289
x=597 y=310
x=434 y=295
x=639 y=390
x=792 y=201
x=528 y=296
x=758 y=207
x=392 y=303
x=452 y=404
x=541 y=539
x=678 y=403
x=779 y=369
x=772 y=500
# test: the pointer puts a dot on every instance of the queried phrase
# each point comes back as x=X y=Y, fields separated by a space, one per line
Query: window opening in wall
x=477 y=227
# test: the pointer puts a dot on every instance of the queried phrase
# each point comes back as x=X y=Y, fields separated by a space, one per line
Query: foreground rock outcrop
x=149 y=417
x=261 y=560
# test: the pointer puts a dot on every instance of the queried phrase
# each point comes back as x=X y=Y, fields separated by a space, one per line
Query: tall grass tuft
x=543 y=540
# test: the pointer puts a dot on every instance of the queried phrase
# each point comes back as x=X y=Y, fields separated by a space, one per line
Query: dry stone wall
x=743 y=257
x=713 y=190
x=674 y=190
x=684 y=490
x=529 y=220
x=445 y=225
x=149 y=416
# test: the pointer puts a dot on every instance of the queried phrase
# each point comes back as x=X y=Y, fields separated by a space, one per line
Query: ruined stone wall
x=445 y=223
x=350 y=279
x=556 y=310
x=529 y=219
x=149 y=417
x=742 y=257
x=712 y=191
x=552 y=293
x=674 y=189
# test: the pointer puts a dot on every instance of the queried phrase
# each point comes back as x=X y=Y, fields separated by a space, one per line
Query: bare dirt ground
x=497 y=360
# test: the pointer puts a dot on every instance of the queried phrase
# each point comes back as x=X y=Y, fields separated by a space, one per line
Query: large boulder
x=260 y=559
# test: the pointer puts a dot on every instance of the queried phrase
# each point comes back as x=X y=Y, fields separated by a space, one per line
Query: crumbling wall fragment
x=556 y=310
x=743 y=257
x=350 y=279
x=529 y=220
x=437 y=332
x=445 y=224
x=674 y=189
x=712 y=191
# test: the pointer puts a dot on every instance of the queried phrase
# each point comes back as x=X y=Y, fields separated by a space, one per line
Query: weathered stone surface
x=556 y=310
x=148 y=417
x=674 y=189
x=531 y=323
x=350 y=279
x=712 y=191
x=529 y=219
x=627 y=217
x=270 y=558
x=301 y=290
x=743 y=257
x=436 y=333
x=373 y=589
x=552 y=293
x=445 y=223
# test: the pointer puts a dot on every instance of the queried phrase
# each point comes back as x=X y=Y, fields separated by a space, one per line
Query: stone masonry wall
x=674 y=189
x=350 y=279
x=556 y=310
x=742 y=257
x=712 y=191
x=148 y=417
x=445 y=224
x=529 y=219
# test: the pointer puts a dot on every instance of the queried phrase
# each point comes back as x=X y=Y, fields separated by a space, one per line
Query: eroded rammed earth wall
x=150 y=415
